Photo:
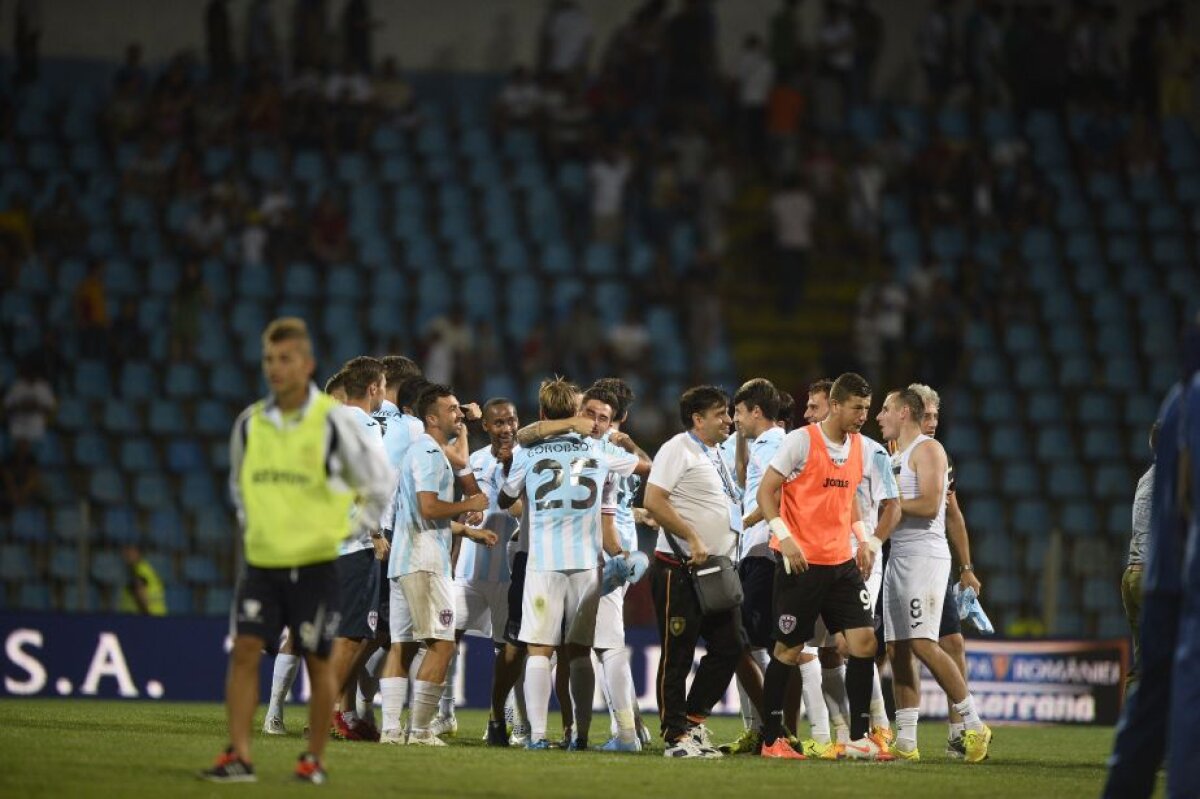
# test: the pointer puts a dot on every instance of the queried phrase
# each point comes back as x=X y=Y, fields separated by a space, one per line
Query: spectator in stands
x=347 y=102
x=395 y=101
x=785 y=115
x=27 y=36
x=187 y=181
x=784 y=43
x=143 y=593
x=28 y=405
x=21 y=478
x=61 y=226
x=1142 y=150
x=879 y=326
x=329 y=231
x=146 y=174
x=262 y=108
x=567 y=118
x=837 y=48
x=190 y=299
x=214 y=115
x=254 y=239
x=566 y=40
x=754 y=75
x=868 y=45
x=610 y=173
x=132 y=74
x=983 y=51
x=172 y=100
x=16 y=228
x=218 y=37
x=449 y=342
x=629 y=343
x=520 y=100
x=91 y=311
x=793 y=214
x=205 y=231
x=935 y=44
x=127 y=342
x=866 y=182
x=262 y=45
x=1178 y=58
x=666 y=203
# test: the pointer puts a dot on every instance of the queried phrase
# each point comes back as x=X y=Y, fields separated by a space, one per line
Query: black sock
x=775 y=684
x=859 y=676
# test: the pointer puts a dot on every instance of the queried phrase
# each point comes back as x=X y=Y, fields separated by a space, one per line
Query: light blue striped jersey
x=475 y=561
x=620 y=492
x=420 y=544
x=728 y=452
x=756 y=541
x=401 y=431
x=360 y=536
x=562 y=478
x=386 y=413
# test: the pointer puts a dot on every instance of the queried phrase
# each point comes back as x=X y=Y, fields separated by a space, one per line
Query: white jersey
x=916 y=535
x=398 y=435
x=756 y=539
x=610 y=505
x=477 y=562
x=562 y=478
x=878 y=484
x=420 y=544
x=360 y=536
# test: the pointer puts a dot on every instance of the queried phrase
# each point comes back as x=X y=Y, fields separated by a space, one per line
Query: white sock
x=606 y=692
x=446 y=703
x=833 y=684
x=619 y=677
x=368 y=686
x=814 y=700
x=906 y=728
x=425 y=704
x=583 y=694
x=956 y=729
x=393 y=690
x=966 y=710
x=879 y=716
x=537 y=695
x=283 y=676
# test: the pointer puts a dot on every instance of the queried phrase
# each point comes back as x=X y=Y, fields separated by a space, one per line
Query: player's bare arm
x=929 y=462
x=658 y=502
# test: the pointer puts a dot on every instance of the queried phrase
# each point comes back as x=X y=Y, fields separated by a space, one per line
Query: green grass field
x=67 y=748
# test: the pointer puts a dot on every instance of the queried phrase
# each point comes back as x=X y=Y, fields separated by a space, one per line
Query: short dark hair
x=759 y=393
x=787 y=407
x=337 y=380
x=911 y=398
x=850 y=385
x=621 y=390
x=360 y=374
x=496 y=402
x=398 y=367
x=699 y=399
x=605 y=396
x=429 y=397
x=409 y=390
x=822 y=386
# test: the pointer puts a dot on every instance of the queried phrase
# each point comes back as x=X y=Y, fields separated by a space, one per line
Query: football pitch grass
x=70 y=748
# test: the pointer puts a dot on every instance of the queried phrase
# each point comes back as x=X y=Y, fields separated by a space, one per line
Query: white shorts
x=874 y=583
x=481 y=608
x=558 y=602
x=610 y=620
x=913 y=590
x=400 y=625
x=430 y=599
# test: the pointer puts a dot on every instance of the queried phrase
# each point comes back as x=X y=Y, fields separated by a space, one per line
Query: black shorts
x=358 y=590
x=516 y=593
x=303 y=599
x=835 y=593
x=951 y=624
x=758 y=580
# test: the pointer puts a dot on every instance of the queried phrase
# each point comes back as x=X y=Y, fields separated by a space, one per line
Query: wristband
x=464 y=472
x=966 y=567
x=780 y=529
x=874 y=543
x=860 y=531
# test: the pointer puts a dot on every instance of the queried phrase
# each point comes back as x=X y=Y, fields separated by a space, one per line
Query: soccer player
x=482 y=573
x=420 y=562
x=787 y=407
x=756 y=412
x=914 y=583
x=295 y=458
x=396 y=369
x=561 y=478
x=816 y=472
x=335 y=387
x=817 y=407
x=364 y=384
x=950 y=637
x=692 y=494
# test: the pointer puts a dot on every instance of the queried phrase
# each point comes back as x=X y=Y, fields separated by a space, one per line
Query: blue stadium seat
x=1019 y=479
x=64 y=564
x=1054 y=445
x=30 y=525
x=217 y=601
x=345 y=283
x=600 y=259
x=1164 y=219
x=1045 y=407
x=1097 y=408
x=34 y=596
x=107 y=487
x=1121 y=374
x=1113 y=481
x=1168 y=250
x=1101 y=595
x=180 y=600
x=91 y=380
x=1113 y=339
x=200 y=570
x=1067 y=481
x=166 y=530
x=1005 y=588
x=198 y=491
x=973 y=475
x=228 y=382
x=987 y=371
x=16 y=566
x=255 y=283
x=218 y=455
x=166 y=419
x=301 y=280
x=1078 y=519
x=182 y=381
x=139 y=455
x=152 y=492
x=1038 y=244
x=92 y=451
x=1058 y=306
x=119 y=525
x=1022 y=338
x=1101 y=443
x=557 y=260
x=122 y=416
x=1140 y=410
x=948 y=243
x=308 y=167
x=184 y=455
x=108 y=569
x=163 y=564
x=1120 y=217
x=214 y=531
x=1075 y=372
x=1033 y=371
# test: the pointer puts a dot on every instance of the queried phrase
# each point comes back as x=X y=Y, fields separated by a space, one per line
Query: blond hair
x=287 y=328
x=558 y=398
x=928 y=395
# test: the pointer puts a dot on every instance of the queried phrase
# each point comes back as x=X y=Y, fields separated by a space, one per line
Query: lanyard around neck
x=719 y=463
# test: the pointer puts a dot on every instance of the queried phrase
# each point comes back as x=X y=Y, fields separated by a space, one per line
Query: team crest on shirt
x=373 y=619
x=787 y=623
x=677 y=624
x=251 y=609
x=446 y=617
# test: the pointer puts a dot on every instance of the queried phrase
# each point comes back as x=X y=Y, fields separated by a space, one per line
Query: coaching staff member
x=692 y=495
x=297 y=459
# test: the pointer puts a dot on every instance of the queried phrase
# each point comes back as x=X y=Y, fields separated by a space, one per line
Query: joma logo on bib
x=833 y=482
